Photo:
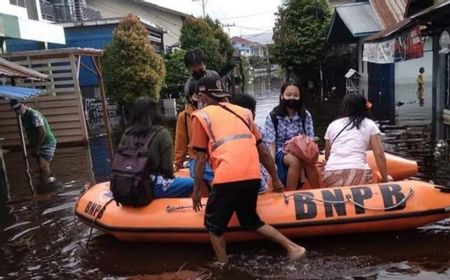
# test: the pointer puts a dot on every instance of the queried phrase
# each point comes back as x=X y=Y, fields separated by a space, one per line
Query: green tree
x=177 y=74
x=131 y=66
x=299 y=37
x=209 y=36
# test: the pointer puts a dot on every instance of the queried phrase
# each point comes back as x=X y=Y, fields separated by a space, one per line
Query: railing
x=47 y=10
x=91 y=13
x=70 y=12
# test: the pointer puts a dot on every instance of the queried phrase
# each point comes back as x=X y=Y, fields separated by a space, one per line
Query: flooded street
x=41 y=238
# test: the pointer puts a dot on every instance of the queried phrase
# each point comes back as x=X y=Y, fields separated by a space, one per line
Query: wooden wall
x=62 y=105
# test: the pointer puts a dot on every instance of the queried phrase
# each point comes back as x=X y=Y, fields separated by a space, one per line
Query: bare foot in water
x=297 y=253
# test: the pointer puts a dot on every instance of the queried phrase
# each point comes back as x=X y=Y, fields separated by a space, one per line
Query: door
x=382 y=91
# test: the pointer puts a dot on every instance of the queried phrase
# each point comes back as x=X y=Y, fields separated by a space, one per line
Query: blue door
x=382 y=91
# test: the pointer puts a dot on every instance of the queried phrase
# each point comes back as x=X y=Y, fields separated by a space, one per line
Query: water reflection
x=41 y=239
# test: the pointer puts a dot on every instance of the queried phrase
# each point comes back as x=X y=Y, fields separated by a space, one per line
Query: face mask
x=198 y=74
x=291 y=103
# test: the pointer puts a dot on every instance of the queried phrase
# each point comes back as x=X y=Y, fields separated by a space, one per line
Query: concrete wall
x=409 y=109
x=120 y=8
x=363 y=70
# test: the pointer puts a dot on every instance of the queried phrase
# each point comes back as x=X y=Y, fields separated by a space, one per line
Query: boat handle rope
x=95 y=220
x=350 y=199
x=170 y=208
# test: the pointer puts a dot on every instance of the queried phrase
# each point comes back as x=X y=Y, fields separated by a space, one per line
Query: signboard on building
x=405 y=46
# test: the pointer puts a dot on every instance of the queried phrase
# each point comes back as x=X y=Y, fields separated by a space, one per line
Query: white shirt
x=348 y=150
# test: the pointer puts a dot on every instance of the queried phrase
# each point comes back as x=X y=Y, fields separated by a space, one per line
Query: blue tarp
x=19 y=93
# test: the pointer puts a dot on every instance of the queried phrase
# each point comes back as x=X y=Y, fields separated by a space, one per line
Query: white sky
x=249 y=16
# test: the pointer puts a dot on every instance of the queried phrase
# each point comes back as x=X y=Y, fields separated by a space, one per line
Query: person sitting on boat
x=249 y=102
x=287 y=120
x=146 y=117
x=227 y=134
x=183 y=135
x=346 y=141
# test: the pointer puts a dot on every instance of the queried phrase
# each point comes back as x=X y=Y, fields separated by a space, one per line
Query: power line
x=247 y=16
x=252 y=28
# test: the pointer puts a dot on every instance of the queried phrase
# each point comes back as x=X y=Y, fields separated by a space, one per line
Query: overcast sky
x=249 y=16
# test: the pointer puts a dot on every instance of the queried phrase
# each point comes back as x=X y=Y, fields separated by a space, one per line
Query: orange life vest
x=232 y=146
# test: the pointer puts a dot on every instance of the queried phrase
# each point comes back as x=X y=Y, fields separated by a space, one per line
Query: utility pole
x=203 y=3
x=228 y=25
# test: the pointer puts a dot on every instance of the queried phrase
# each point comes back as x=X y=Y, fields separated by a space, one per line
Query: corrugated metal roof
x=359 y=18
x=389 y=12
x=14 y=70
x=19 y=92
x=443 y=8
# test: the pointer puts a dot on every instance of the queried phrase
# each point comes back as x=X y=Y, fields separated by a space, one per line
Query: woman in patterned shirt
x=287 y=120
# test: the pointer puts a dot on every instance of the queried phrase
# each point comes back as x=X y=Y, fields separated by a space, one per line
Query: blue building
x=87 y=34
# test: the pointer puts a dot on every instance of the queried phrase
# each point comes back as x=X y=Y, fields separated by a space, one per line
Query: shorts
x=47 y=152
x=346 y=177
x=207 y=176
x=282 y=170
x=225 y=199
x=170 y=188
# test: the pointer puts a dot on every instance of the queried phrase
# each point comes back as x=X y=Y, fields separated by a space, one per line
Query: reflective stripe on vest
x=218 y=143
x=232 y=149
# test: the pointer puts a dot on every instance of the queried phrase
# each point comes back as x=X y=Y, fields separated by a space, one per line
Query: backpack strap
x=132 y=139
x=151 y=137
x=234 y=113
x=273 y=117
x=303 y=124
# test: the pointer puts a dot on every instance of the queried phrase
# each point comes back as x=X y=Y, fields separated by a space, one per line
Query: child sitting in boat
x=287 y=120
x=145 y=118
x=249 y=102
x=346 y=141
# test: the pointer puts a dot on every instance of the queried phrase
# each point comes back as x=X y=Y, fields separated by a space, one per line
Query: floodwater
x=41 y=238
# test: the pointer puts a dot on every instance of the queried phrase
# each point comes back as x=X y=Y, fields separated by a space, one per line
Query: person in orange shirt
x=183 y=135
x=227 y=135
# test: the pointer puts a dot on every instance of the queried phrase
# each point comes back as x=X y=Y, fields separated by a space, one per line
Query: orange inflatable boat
x=376 y=207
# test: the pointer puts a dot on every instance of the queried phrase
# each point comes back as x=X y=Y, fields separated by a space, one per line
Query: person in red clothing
x=227 y=134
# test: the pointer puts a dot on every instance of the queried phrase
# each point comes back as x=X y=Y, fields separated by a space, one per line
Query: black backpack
x=130 y=181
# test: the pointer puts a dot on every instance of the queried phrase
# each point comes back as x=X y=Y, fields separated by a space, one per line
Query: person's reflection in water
x=420 y=90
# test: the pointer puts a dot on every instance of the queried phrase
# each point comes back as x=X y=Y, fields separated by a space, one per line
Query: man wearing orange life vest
x=227 y=134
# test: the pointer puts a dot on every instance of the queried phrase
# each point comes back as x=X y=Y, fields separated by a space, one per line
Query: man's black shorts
x=225 y=199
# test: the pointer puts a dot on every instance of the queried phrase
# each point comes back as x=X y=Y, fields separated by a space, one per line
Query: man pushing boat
x=227 y=135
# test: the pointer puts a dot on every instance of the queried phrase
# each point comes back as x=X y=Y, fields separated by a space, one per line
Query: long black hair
x=354 y=106
x=144 y=116
x=193 y=88
x=281 y=109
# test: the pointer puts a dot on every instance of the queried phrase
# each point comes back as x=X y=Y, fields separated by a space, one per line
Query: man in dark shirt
x=195 y=61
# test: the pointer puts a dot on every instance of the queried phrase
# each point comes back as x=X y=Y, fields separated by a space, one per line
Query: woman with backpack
x=346 y=141
x=287 y=120
x=147 y=122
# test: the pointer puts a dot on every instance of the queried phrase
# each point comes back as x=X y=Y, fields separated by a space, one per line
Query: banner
x=381 y=53
x=404 y=46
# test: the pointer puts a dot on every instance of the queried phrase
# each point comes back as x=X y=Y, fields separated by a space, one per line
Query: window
x=20 y=3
